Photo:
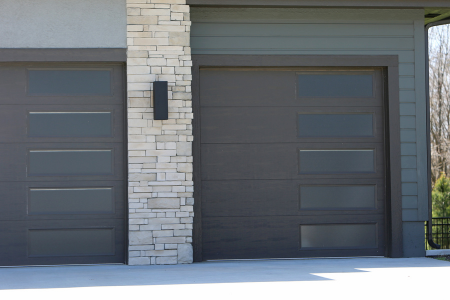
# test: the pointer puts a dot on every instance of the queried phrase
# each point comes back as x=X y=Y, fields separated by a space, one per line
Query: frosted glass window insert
x=69 y=124
x=69 y=82
x=335 y=85
x=335 y=125
x=337 y=161
x=337 y=197
x=70 y=162
x=71 y=201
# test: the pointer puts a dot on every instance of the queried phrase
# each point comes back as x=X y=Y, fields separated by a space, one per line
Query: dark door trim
x=394 y=240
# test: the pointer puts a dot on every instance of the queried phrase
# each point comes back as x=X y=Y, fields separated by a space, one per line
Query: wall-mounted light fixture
x=160 y=100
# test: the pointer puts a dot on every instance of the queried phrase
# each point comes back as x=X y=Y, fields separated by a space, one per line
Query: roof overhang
x=435 y=10
x=327 y=3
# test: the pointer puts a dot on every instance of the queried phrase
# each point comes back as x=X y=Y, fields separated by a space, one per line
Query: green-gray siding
x=297 y=31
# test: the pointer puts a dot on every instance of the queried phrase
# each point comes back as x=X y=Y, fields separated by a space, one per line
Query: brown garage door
x=61 y=164
x=292 y=162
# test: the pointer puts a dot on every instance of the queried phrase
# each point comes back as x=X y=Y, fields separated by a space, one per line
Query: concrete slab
x=438 y=252
x=349 y=278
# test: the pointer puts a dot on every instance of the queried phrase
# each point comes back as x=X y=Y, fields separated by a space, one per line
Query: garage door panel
x=44 y=123
x=17 y=159
x=264 y=237
x=247 y=88
x=255 y=124
x=20 y=242
x=62 y=200
x=248 y=161
x=248 y=238
x=62 y=100
x=15 y=88
x=292 y=197
x=275 y=88
x=283 y=161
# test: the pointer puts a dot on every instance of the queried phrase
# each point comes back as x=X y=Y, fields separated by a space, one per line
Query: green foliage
x=441 y=197
x=445 y=258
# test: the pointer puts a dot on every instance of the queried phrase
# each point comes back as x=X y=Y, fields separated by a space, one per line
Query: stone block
x=184 y=148
x=171 y=246
x=164 y=203
x=166 y=260
x=132 y=28
x=140 y=177
x=177 y=17
x=170 y=240
x=150 y=227
x=185 y=167
x=162 y=233
x=185 y=254
x=185 y=232
x=140 y=237
x=174 y=226
x=175 y=176
x=179 y=38
x=180 y=8
x=155 y=12
x=137 y=221
x=138 y=261
x=161 y=253
x=140 y=86
x=141 y=20
x=150 y=41
x=138 y=70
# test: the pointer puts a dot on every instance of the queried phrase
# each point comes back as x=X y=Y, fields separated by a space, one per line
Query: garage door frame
x=394 y=242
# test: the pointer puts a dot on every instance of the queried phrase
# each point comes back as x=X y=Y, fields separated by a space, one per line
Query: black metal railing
x=441 y=233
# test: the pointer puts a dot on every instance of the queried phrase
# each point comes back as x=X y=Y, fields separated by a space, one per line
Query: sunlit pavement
x=349 y=278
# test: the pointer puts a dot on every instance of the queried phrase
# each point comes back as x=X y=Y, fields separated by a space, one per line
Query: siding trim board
x=393 y=166
x=66 y=55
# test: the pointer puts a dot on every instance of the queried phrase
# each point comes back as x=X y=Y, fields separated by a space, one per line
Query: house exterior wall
x=300 y=31
x=157 y=36
x=62 y=24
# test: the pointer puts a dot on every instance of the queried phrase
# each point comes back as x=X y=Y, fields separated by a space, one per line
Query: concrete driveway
x=346 y=278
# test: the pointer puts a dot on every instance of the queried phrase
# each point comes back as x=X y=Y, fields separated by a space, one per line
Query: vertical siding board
x=421 y=119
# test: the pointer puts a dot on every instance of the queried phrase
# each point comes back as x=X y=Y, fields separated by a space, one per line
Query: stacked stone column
x=160 y=186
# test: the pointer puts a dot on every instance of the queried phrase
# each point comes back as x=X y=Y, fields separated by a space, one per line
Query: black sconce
x=160 y=100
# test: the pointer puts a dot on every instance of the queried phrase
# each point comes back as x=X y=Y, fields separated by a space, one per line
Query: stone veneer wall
x=160 y=152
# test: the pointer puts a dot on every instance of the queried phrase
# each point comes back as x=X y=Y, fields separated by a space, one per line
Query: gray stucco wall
x=340 y=32
x=63 y=24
